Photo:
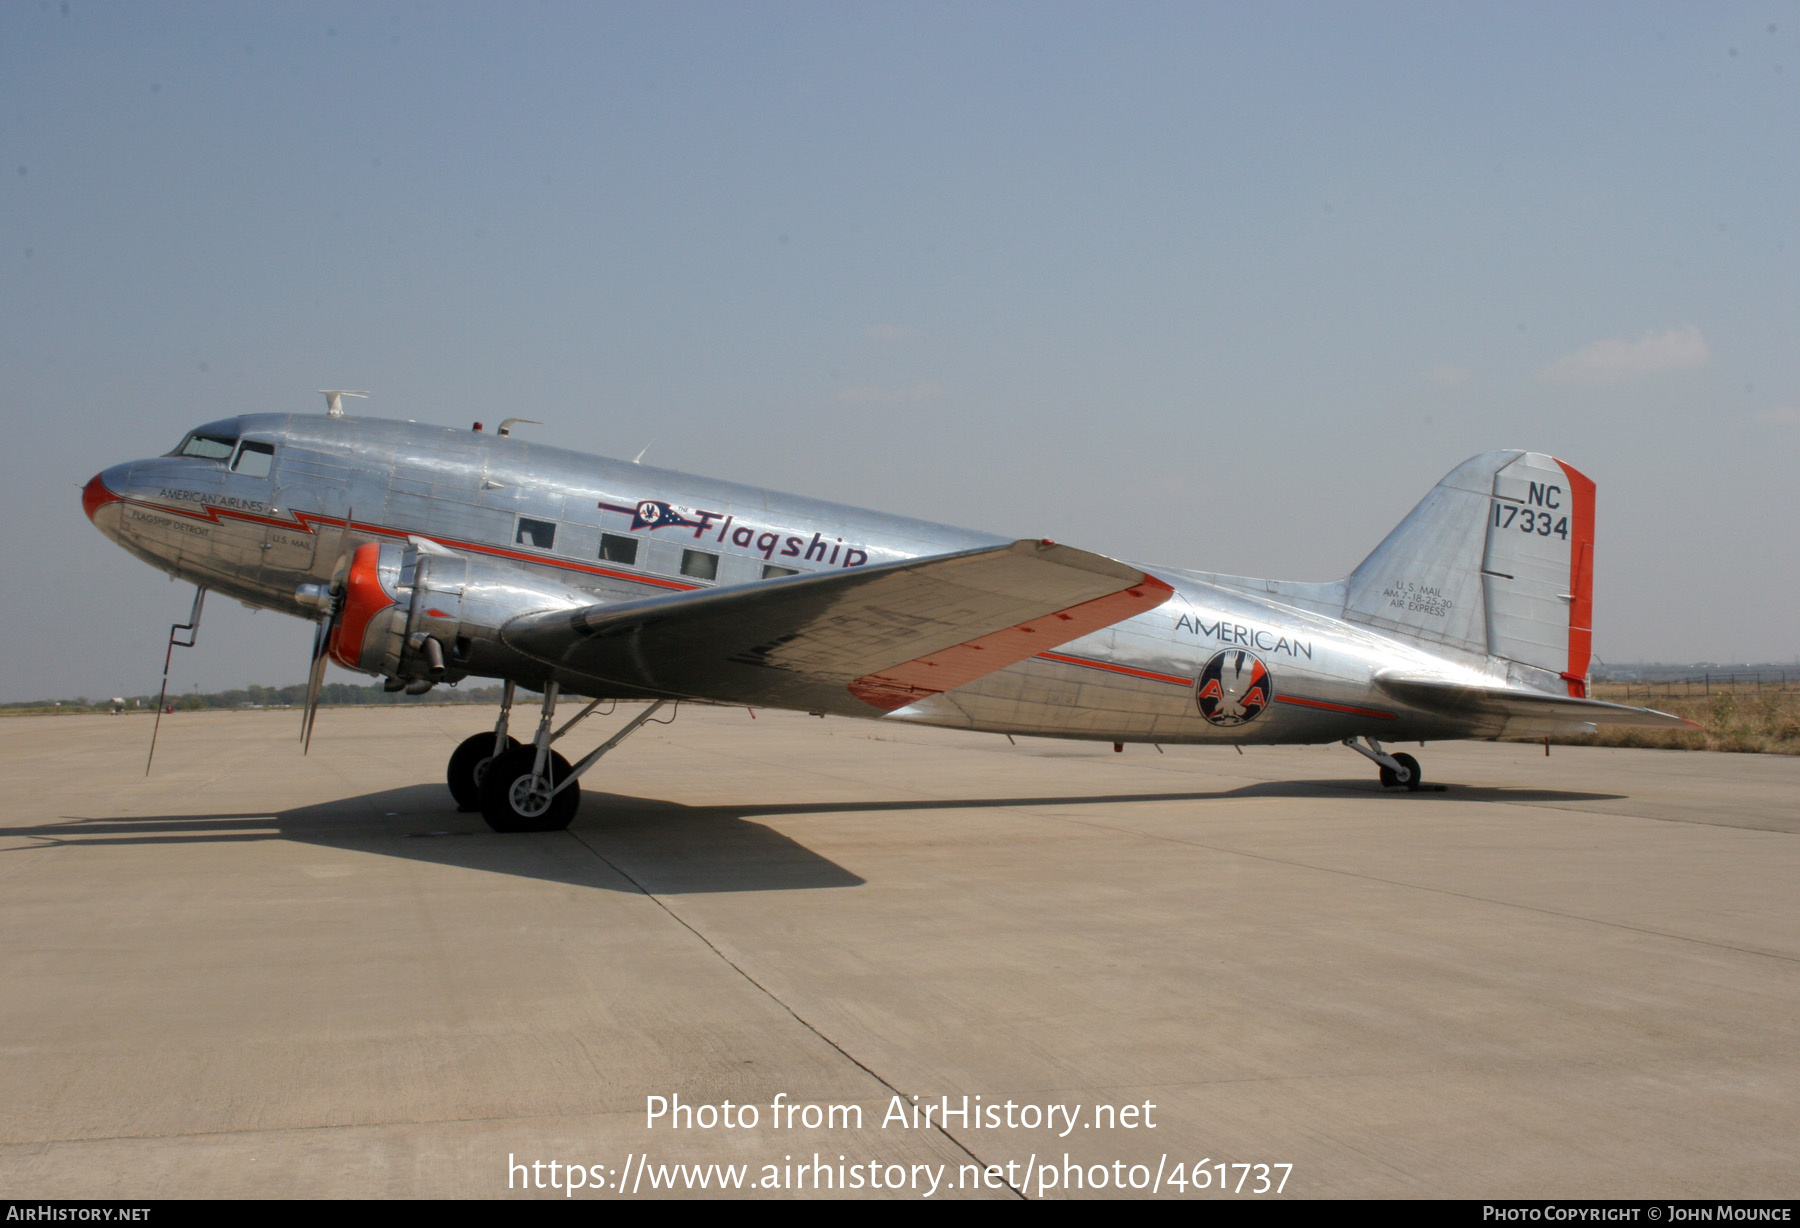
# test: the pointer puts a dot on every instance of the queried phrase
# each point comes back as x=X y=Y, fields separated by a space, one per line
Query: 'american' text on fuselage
x=1237 y=633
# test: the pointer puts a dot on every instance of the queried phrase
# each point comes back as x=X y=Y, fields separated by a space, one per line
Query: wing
x=848 y=641
x=1458 y=699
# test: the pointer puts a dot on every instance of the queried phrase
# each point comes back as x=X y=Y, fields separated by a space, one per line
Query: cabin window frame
x=700 y=565
x=619 y=539
x=519 y=533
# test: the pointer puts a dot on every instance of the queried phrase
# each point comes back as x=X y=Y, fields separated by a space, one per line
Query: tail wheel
x=468 y=764
x=513 y=798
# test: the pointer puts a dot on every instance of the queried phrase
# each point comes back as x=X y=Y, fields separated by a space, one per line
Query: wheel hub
x=530 y=796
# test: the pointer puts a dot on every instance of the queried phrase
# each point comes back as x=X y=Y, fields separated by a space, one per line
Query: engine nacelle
x=368 y=630
x=418 y=614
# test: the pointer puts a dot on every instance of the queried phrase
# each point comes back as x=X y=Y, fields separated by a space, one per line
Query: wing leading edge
x=879 y=637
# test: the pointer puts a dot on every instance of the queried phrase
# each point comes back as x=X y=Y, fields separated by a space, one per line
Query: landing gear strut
x=1396 y=770
x=531 y=787
x=469 y=762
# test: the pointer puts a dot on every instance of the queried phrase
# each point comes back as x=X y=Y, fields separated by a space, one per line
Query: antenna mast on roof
x=334 y=400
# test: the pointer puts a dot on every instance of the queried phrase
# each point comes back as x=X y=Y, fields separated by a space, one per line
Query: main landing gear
x=1396 y=770
x=469 y=762
x=528 y=787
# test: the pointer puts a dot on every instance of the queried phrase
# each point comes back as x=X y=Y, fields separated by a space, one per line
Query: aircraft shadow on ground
x=1322 y=789
x=616 y=843
x=623 y=843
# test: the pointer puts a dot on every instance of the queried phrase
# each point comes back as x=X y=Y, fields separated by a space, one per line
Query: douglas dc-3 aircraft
x=428 y=554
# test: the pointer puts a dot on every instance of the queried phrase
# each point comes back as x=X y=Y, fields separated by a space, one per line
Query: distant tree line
x=334 y=694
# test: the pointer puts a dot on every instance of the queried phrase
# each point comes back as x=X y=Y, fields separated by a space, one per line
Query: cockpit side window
x=207 y=447
x=254 y=460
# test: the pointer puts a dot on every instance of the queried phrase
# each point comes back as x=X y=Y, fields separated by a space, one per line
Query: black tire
x=468 y=763
x=506 y=781
x=1413 y=778
x=1390 y=779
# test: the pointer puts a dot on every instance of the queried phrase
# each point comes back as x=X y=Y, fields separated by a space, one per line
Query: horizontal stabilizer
x=880 y=637
x=1456 y=698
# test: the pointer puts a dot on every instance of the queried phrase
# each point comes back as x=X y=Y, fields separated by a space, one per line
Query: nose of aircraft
x=96 y=494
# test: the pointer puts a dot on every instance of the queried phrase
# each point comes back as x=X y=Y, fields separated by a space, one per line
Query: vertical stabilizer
x=1497 y=559
x=1424 y=580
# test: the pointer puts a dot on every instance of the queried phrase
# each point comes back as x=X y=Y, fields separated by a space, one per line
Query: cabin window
x=771 y=570
x=254 y=460
x=617 y=548
x=699 y=564
x=538 y=533
x=207 y=447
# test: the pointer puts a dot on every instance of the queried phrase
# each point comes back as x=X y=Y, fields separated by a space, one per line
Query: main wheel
x=513 y=799
x=1413 y=778
x=468 y=764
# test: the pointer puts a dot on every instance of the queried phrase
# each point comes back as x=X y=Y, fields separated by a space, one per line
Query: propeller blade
x=316 y=678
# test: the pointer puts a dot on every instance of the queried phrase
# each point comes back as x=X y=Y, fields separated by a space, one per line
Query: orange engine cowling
x=419 y=615
x=363 y=625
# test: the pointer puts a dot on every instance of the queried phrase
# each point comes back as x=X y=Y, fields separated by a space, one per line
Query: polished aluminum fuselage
x=337 y=481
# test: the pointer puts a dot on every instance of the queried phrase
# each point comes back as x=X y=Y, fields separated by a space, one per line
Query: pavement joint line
x=776 y=998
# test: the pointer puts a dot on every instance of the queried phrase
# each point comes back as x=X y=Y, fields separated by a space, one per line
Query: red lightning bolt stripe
x=310 y=522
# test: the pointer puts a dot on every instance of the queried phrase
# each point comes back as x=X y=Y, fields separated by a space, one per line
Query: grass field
x=1742 y=717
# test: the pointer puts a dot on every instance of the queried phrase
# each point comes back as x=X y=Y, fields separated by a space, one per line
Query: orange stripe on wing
x=961 y=664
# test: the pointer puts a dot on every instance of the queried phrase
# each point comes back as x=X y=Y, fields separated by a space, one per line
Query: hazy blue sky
x=1224 y=286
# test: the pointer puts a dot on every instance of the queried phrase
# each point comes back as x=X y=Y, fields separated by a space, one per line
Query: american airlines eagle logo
x=655 y=514
x=1234 y=688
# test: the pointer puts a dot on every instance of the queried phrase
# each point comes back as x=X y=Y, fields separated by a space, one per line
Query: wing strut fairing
x=844 y=642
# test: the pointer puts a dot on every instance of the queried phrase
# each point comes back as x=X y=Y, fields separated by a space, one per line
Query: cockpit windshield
x=207 y=447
